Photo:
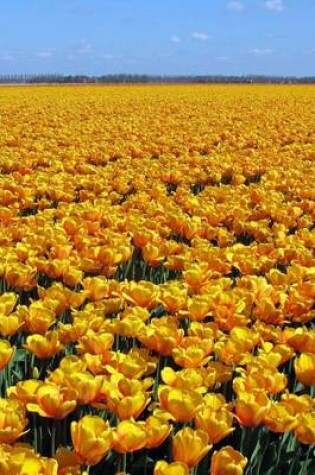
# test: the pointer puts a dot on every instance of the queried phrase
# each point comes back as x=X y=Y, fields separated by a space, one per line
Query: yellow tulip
x=252 y=407
x=182 y=404
x=216 y=423
x=305 y=428
x=6 y=353
x=129 y=436
x=190 y=446
x=92 y=439
x=12 y=420
x=304 y=367
x=53 y=401
x=174 y=468
x=228 y=461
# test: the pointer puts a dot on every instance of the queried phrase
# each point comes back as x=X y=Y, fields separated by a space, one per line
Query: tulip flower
x=6 y=353
x=92 y=439
x=228 y=461
x=280 y=418
x=67 y=462
x=44 y=346
x=7 y=303
x=129 y=436
x=305 y=428
x=12 y=420
x=174 y=468
x=181 y=404
x=304 y=367
x=216 y=423
x=53 y=401
x=190 y=446
x=157 y=430
x=252 y=407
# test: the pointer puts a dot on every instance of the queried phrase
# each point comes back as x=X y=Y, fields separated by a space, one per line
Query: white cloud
x=84 y=47
x=228 y=59
x=107 y=56
x=309 y=52
x=175 y=39
x=6 y=56
x=235 y=6
x=44 y=54
x=260 y=51
x=200 y=36
x=275 y=5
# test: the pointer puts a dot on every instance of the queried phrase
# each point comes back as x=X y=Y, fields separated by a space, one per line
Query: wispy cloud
x=6 y=56
x=84 y=47
x=44 y=54
x=261 y=51
x=275 y=5
x=309 y=52
x=107 y=56
x=235 y=6
x=230 y=60
x=175 y=39
x=200 y=36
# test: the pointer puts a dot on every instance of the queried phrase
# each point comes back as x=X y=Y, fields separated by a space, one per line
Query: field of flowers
x=157 y=280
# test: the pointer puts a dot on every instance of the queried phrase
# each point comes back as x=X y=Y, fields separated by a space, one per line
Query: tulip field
x=157 y=280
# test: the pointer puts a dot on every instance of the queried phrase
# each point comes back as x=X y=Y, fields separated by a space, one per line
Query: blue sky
x=158 y=36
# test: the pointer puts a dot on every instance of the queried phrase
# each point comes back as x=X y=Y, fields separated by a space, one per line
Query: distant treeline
x=144 y=78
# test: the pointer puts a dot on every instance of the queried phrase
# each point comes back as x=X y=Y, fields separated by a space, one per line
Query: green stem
x=123 y=462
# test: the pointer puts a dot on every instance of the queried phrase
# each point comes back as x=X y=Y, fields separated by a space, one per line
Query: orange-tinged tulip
x=132 y=366
x=197 y=275
x=92 y=439
x=174 y=468
x=41 y=465
x=67 y=462
x=53 y=401
x=191 y=378
x=228 y=461
x=198 y=308
x=215 y=401
x=129 y=327
x=251 y=407
x=129 y=406
x=21 y=276
x=71 y=333
x=181 y=404
x=217 y=424
x=268 y=379
x=191 y=357
x=40 y=316
x=44 y=346
x=162 y=339
x=142 y=293
x=305 y=428
x=157 y=430
x=218 y=373
x=190 y=446
x=25 y=391
x=7 y=303
x=6 y=353
x=12 y=420
x=303 y=341
x=85 y=384
x=173 y=297
x=95 y=343
x=10 y=325
x=304 y=367
x=298 y=403
x=280 y=418
x=129 y=436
